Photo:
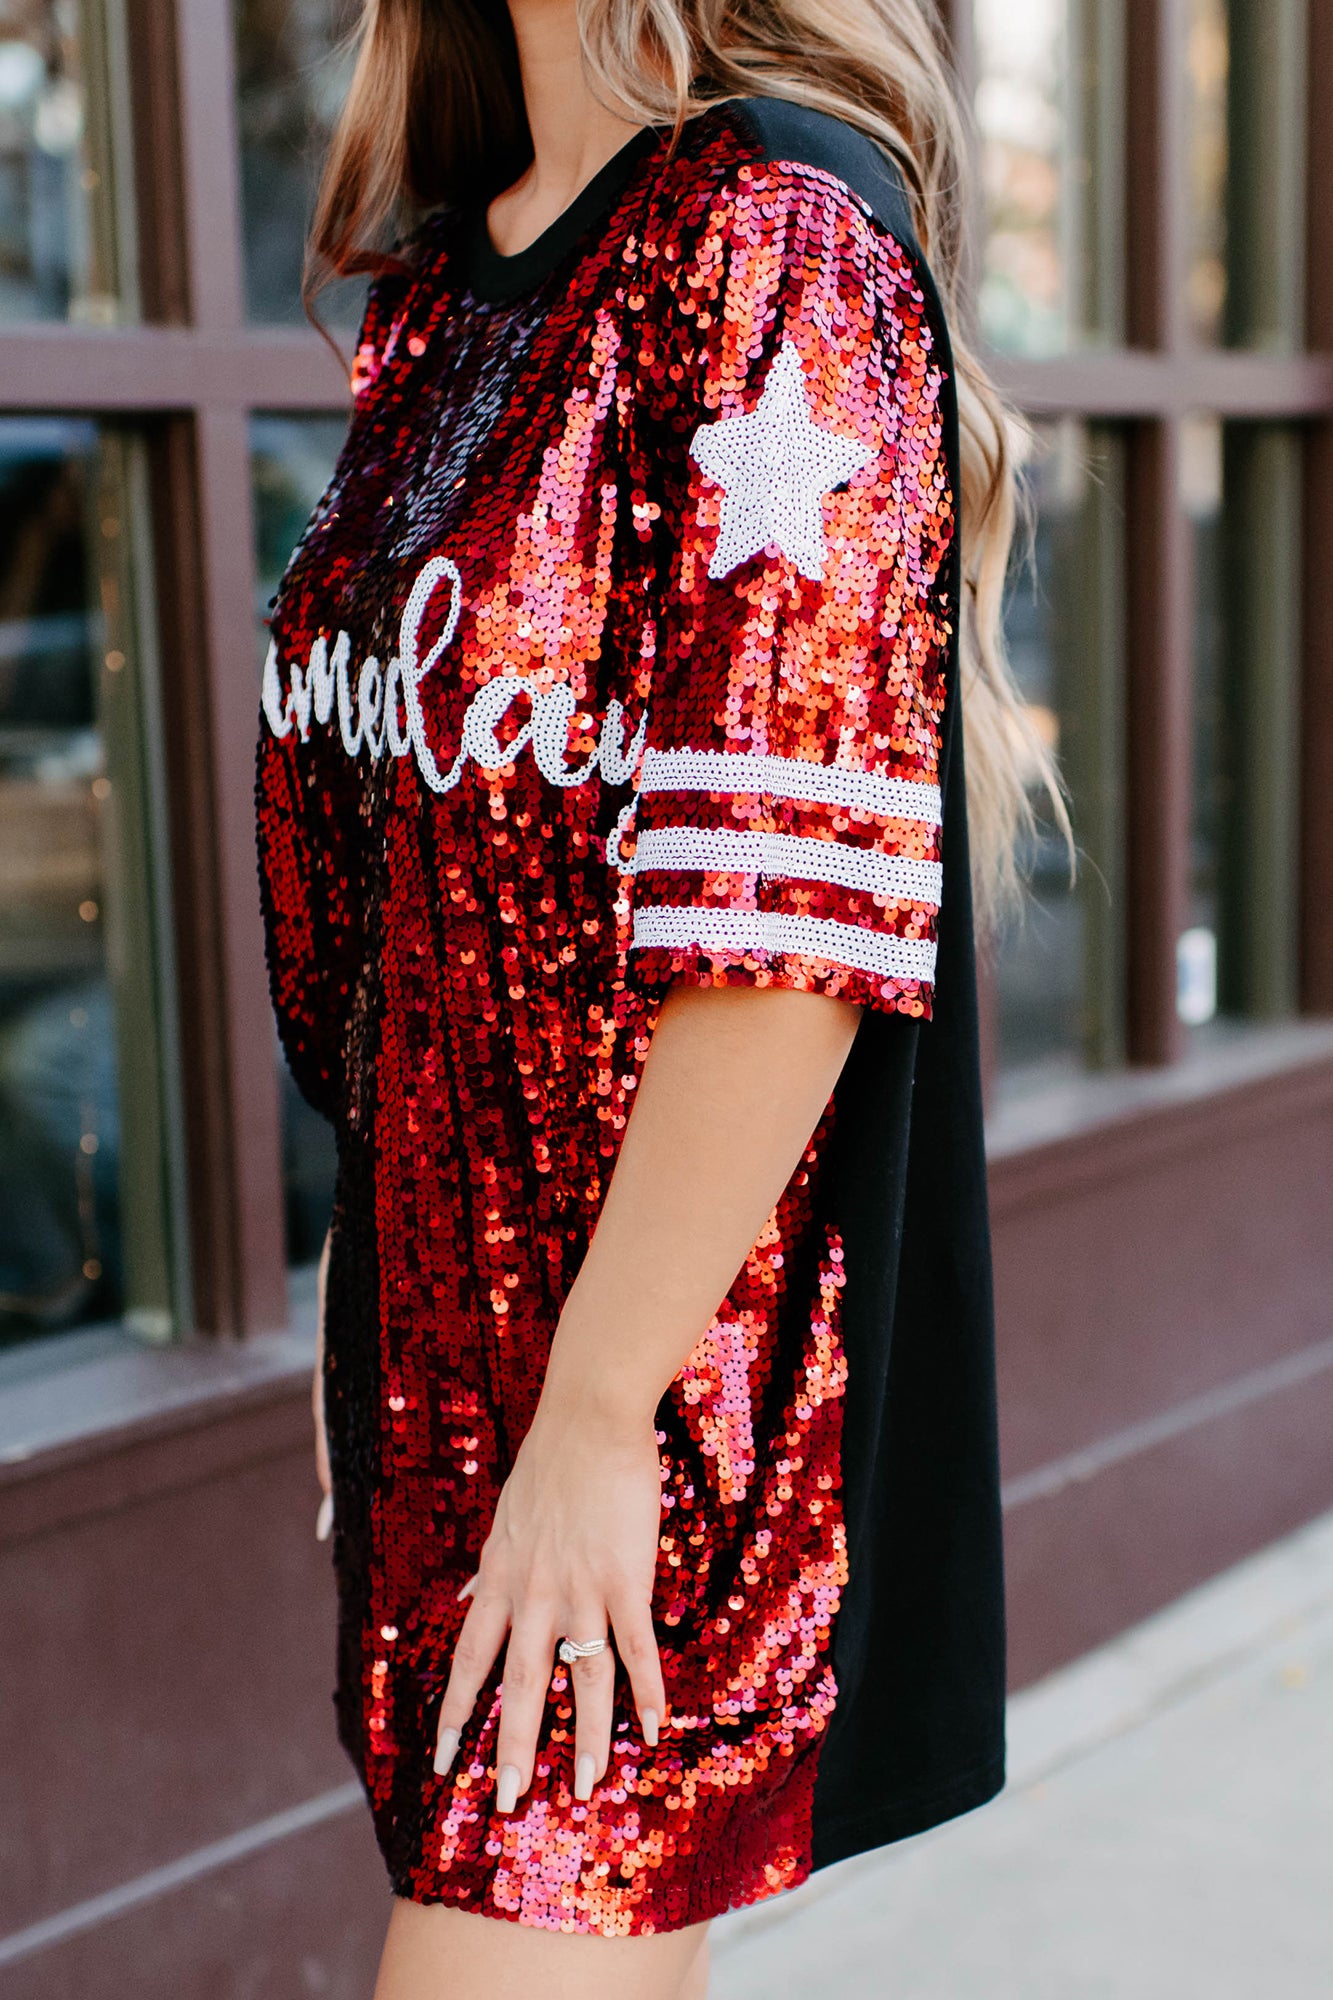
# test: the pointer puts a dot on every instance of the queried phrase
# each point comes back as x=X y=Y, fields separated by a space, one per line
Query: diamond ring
x=570 y=1650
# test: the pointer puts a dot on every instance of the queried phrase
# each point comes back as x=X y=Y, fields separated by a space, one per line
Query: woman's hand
x=324 y=1518
x=571 y=1554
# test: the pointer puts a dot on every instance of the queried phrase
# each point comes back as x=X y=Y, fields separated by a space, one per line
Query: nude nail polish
x=445 y=1751
x=324 y=1519
x=584 y=1773
x=650 y=1726
x=506 y=1791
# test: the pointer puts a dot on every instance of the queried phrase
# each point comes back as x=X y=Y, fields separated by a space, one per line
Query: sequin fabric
x=531 y=752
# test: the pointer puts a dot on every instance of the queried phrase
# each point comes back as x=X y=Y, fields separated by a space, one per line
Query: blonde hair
x=435 y=112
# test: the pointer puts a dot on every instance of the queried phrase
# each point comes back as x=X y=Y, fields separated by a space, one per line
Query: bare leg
x=696 y=1979
x=434 y=1952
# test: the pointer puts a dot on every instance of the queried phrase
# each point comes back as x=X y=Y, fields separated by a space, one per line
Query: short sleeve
x=381 y=324
x=788 y=810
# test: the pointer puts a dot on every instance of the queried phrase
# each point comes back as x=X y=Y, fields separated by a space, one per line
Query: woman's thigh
x=434 y=1952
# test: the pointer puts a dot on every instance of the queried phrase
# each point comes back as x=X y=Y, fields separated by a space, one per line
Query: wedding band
x=570 y=1650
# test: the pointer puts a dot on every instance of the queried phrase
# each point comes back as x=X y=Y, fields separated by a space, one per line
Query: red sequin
x=524 y=763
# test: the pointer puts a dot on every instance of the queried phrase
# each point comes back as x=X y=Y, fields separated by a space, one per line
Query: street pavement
x=1167 y=1832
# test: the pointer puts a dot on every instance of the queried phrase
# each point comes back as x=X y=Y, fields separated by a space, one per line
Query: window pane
x=1267 y=118
x=1049 y=75
x=292 y=72
x=63 y=248
x=1201 y=479
x=1247 y=517
x=1058 y=970
x=1207 y=64
x=292 y=459
x=60 y=1215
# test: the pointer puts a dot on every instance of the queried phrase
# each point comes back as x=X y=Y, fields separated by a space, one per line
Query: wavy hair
x=435 y=114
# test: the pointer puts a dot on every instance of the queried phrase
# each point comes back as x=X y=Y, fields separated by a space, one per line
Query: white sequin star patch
x=775 y=466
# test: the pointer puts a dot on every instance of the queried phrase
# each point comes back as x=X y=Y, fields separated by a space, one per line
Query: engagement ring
x=581 y=1649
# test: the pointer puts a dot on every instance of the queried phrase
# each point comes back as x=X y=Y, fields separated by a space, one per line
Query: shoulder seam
x=828 y=146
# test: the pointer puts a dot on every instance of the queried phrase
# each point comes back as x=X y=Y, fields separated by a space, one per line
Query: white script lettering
x=370 y=718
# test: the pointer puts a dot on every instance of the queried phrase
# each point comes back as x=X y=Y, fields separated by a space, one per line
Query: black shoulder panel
x=805 y=138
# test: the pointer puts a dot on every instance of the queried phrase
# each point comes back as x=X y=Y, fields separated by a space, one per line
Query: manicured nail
x=506 y=1792
x=649 y=1721
x=324 y=1519
x=468 y=1588
x=584 y=1773
x=445 y=1751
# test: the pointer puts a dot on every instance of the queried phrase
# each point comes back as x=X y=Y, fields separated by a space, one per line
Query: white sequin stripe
x=793 y=778
x=791 y=856
x=772 y=930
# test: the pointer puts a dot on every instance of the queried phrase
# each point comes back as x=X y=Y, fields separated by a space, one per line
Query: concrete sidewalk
x=1167 y=1833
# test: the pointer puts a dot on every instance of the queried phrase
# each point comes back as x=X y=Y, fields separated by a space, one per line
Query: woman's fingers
x=593 y=1682
x=525 y=1684
x=636 y=1642
x=479 y=1643
x=324 y=1518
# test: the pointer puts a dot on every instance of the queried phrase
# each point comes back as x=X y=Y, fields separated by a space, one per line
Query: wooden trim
x=200 y=493
x=210 y=161
x=1121 y=1148
x=1125 y=384
x=1155 y=38
x=158 y=368
x=250 y=1050
x=1316 y=883
x=162 y=368
x=216 y=1432
x=164 y=277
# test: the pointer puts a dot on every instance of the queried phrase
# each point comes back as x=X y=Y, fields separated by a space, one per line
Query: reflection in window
x=293 y=68
x=1022 y=62
x=291 y=461
x=1243 y=491
x=60 y=1248
x=1207 y=62
x=1057 y=969
x=1201 y=492
x=58 y=248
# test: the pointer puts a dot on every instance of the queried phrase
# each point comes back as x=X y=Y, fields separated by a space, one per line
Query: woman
x=611 y=762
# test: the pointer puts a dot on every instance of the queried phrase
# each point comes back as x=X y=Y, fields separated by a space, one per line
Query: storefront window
x=1207 y=64
x=291 y=460
x=293 y=65
x=63 y=247
x=1057 y=968
x=60 y=1219
x=1201 y=482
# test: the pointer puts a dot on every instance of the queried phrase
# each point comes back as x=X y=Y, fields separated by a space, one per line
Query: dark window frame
x=191 y=374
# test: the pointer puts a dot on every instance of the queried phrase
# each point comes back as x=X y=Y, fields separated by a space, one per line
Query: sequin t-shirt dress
x=620 y=652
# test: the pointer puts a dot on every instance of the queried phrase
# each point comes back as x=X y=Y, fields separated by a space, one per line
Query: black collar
x=493 y=279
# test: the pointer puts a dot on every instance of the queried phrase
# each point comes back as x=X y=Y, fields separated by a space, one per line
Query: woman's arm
x=732 y=1087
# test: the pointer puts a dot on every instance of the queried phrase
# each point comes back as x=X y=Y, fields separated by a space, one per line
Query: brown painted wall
x=165 y=1653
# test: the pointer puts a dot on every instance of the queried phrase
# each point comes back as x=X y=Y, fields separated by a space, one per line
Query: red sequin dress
x=620 y=652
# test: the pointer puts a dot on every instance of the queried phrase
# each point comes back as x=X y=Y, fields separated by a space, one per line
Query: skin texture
x=710 y=1147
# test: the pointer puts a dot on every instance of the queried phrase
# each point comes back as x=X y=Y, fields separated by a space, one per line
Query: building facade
x=1154 y=256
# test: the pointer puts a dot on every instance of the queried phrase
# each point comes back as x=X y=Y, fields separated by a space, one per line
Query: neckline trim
x=493 y=278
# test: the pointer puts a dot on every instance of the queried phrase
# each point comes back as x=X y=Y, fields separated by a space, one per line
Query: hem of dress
x=737 y=1873
x=709 y=1897
x=881 y=1826
x=715 y=1891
